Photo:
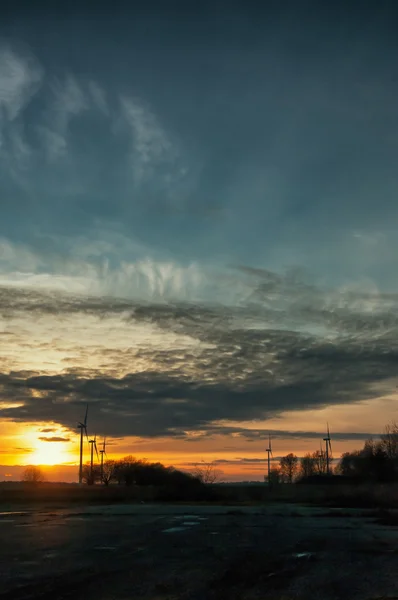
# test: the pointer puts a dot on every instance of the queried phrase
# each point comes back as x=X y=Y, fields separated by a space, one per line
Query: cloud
x=170 y=369
x=54 y=439
x=47 y=430
x=20 y=79
x=69 y=99
x=151 y=146
x=98 y=96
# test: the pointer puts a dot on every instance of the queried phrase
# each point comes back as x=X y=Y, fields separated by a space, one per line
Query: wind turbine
x=93 y=443
x=269 y=452
x=328 y=444
x=83 y=429
x=103 y=453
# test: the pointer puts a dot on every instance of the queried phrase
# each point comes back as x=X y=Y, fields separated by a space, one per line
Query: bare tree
x=289 y=466
x=320 y=462
x=389 y=440
x=207 y=472
x=108 y=472
x=33 y=474
x=308 y=465
x=91 y=477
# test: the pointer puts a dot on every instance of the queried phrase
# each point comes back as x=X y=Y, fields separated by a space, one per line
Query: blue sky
x=240 y=136
x=216 y=157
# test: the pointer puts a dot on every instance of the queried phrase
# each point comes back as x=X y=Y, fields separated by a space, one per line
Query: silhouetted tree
x=109 y=472
x=275 y=476
x=33 y=474
x=308 y=466
x=389 y=444
x=289 y=466
x=320 y=462
x=207 y=472
x=131 y=471
x=91 y=478
x=372 y=463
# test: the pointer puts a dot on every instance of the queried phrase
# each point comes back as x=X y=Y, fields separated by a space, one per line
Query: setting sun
x=46 y=453
x=55 y=447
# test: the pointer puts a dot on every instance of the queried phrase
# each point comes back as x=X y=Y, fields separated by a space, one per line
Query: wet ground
x=178 y=552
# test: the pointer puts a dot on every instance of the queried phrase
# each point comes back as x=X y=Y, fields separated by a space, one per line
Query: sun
x=50 y=453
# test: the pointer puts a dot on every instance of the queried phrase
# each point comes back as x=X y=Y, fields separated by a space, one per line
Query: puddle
x=189 y=523
x=303 y=555
x=214 y=532
x=174 y=529
x=108 y=548
x=13 y=513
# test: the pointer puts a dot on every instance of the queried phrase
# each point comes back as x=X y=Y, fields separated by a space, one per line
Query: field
x=355 y=496
x=169 y=552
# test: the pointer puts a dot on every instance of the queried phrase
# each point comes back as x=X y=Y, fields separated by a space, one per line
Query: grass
x=338 y=497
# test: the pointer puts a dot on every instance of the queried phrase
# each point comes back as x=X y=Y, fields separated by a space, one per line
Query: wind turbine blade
x=85 y=416
x=85 y=429
x=328 y=430
x=96 y=450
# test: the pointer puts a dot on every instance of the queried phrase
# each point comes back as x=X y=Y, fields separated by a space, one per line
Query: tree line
x=377 y=461
x=130 y=471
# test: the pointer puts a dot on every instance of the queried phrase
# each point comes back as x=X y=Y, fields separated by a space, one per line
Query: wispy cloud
x=151 y=146
x=20 y=79
x=98 y=96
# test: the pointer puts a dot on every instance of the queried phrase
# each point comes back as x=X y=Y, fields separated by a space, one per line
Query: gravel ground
x=196 y=553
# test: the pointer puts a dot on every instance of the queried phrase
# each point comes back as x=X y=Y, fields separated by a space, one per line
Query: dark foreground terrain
x=176 y=552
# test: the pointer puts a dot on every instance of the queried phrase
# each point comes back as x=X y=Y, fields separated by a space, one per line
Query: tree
x=308 y=465
x=372 y=463
x=274 y=476
x=33 y=474
x=207 y=472
x=289 y=466
x=108 y=472
x=389 y=442
x=320 y=462
x=132 y=471
x=91 y=478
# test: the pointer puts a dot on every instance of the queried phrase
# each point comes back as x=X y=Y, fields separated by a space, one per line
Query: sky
x=198 y=230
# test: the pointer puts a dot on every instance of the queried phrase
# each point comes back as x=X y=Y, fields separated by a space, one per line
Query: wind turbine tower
x=83 y=430
x=103 y=453
x=269 y=453
x=328 y=445
x=93 y=444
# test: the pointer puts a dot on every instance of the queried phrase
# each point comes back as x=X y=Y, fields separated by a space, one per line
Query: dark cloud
x=293 y=346
x=47 y=430
x=54 y=439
